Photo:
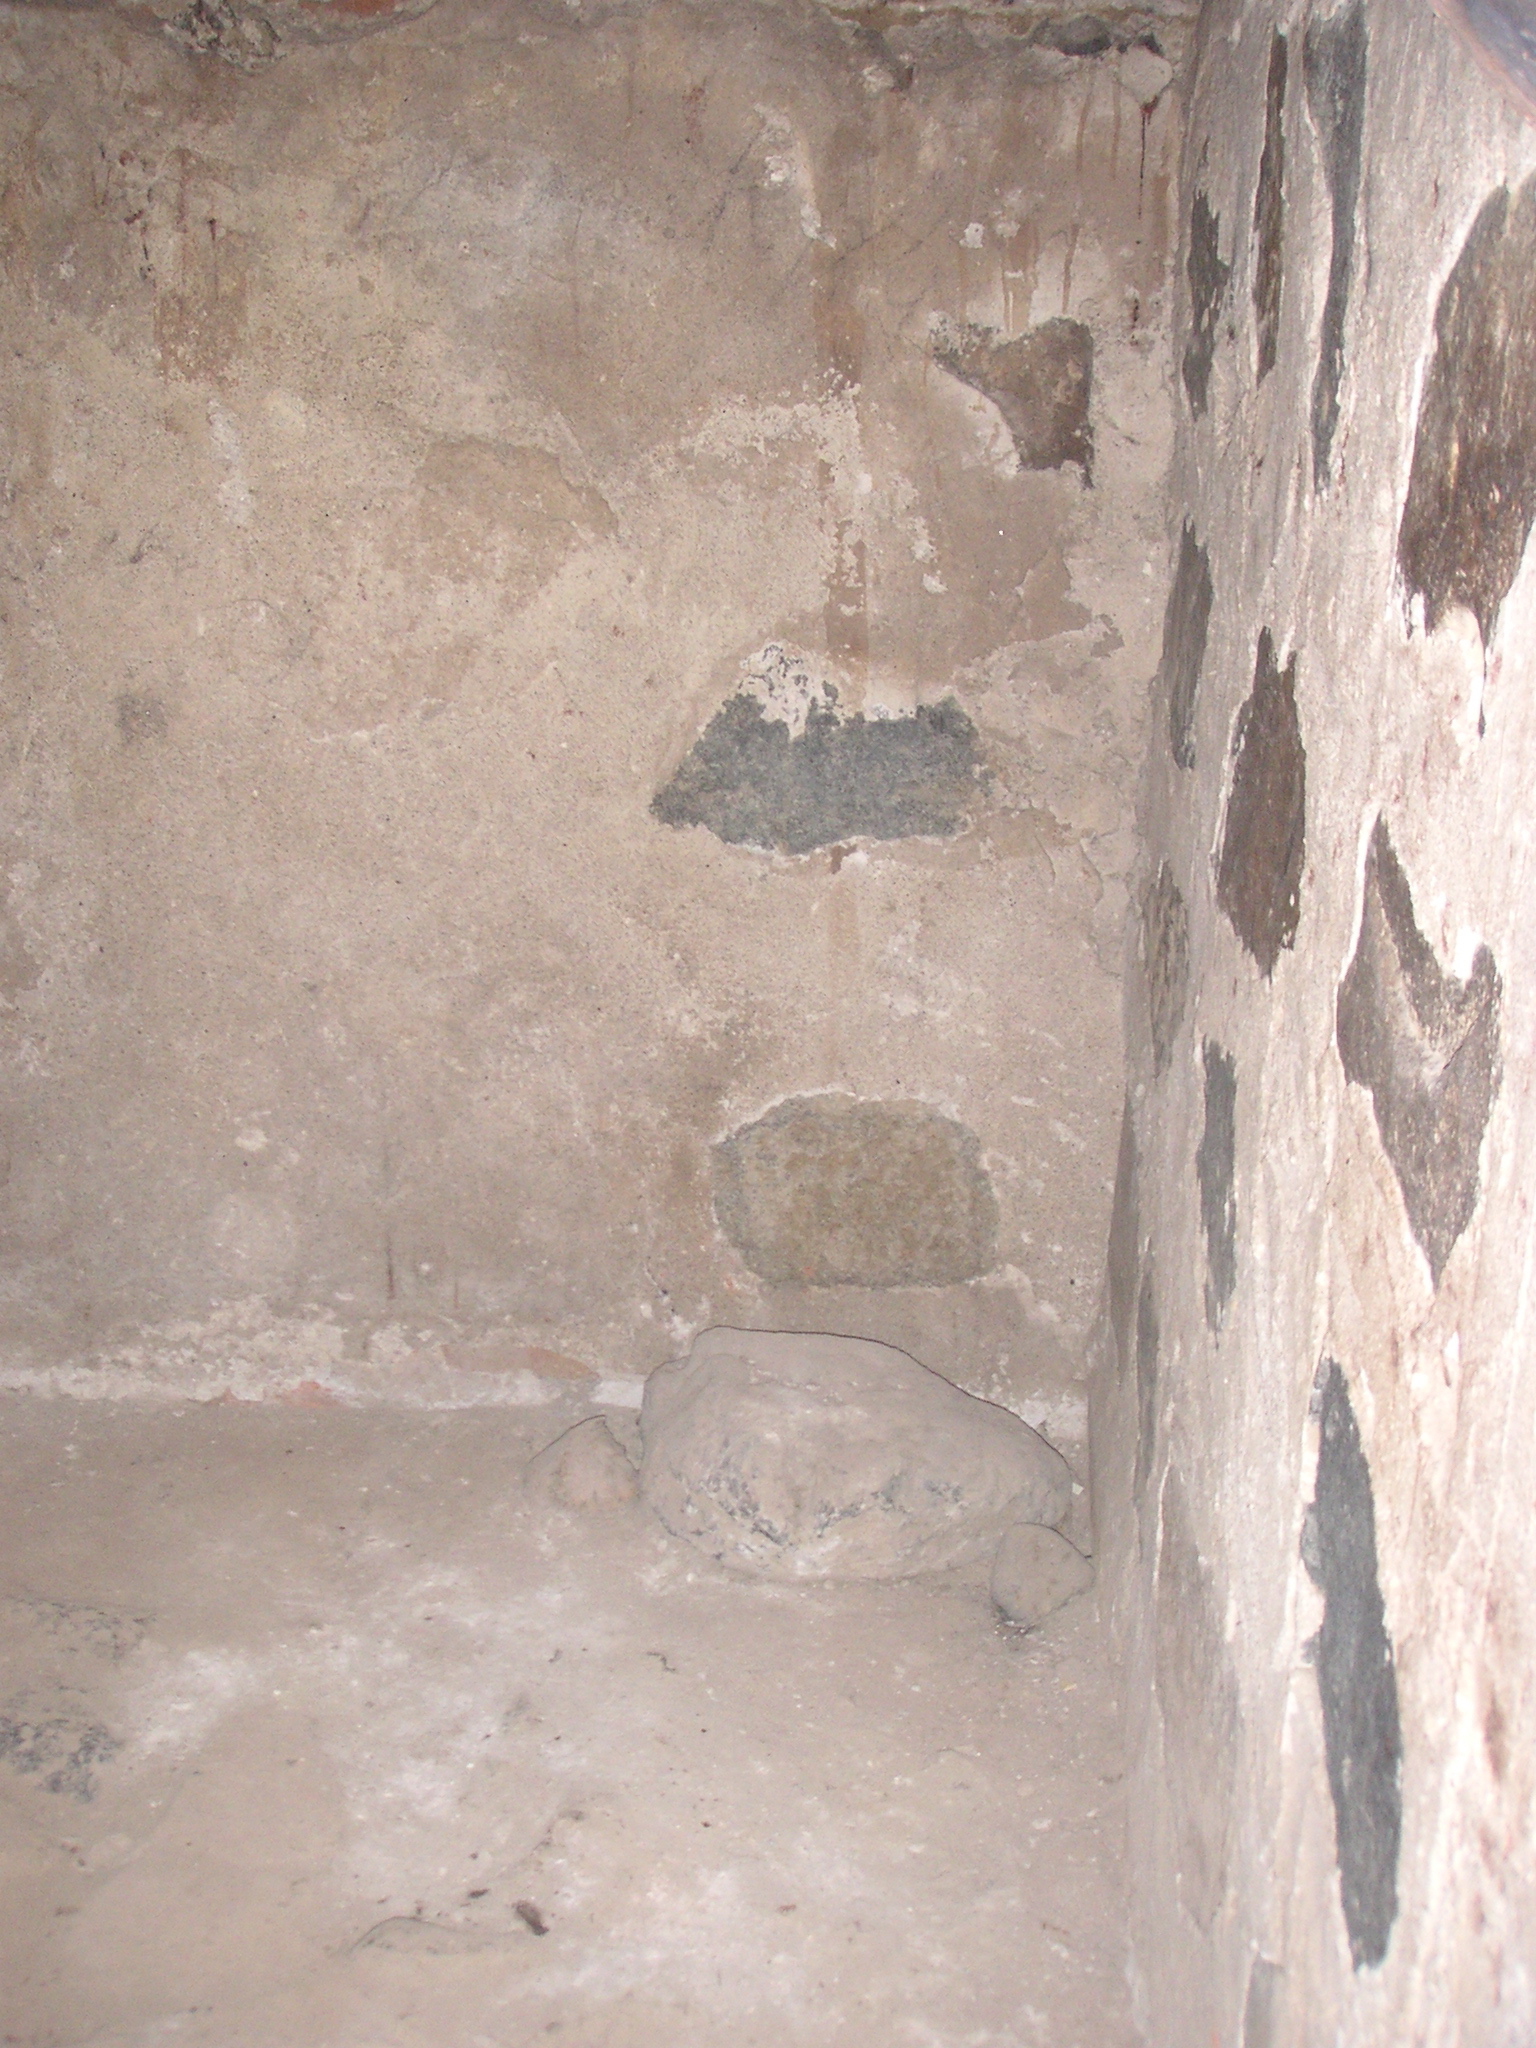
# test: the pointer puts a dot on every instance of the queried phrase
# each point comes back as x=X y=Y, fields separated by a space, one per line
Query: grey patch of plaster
x=1186 y=622
x=1427 y=1047
x=1269 y=212
x=1472 y=489
x=1263 y=839
x=832 y=1191
x=1352 y=1653
x=61 y=1749
x=1147 y=1339
x=1124 y=1239
x=1333 y=59
x=753 y=782
x=1040 y=382
x=1215 y=1164
x=1208 y=277
x=140 y=716
x=1165 y=957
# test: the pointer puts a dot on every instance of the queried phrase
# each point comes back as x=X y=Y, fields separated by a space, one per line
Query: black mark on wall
x=1269 y=212
x=1186 y=622
x=1333 y=59
x=754 y=783
x=1040 y=382
x=1124 y=1240
x=1427 y=1047
x=1472 y=489
x=1263 y=839
x=1214 y=1165
x=1208 y=277
x=1197 y=1692
x=1362 y=1736
x=1165 y=952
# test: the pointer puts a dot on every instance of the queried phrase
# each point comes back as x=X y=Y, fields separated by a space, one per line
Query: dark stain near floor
x=1472 y=488
x=833 y=1191
x=1186 y=622
x=1147 y=1338
x=1124 y=1239
x=1208 y=277
x=1269 y=212
x=1040 y=382
x=1215 y=1166
x=1263 y=840
x=62 y=1749
x=1427 y=1047
x=1352 y=1654
x=1333 y=59
x=1165 y=956
x=754 y=783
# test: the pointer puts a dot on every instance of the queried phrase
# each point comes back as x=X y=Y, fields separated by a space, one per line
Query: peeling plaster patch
x=1040 y=382
x=1333 y=59
x=1472 y=490
x=1215 y=1163
x=1263 y=841
x=1124 y=1239
x=1269 y=212
x=831 y=1191
x=1186 y=623
x=1426 y=1044
x=753 y=781
x=1362 y=1735
x=1165 y=953
x=1208 y=277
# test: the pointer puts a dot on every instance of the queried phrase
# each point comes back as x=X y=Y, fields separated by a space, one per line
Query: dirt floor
x=315 y=1729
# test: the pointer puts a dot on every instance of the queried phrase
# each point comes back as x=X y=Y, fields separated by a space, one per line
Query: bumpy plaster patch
x=1208 y=277
x=1362 y=1735
x=1215 y=1165
x=1165 y=956
x=1269 y=212
x=1427 y=1047
x=1040 y=382
x=1333 y=59
x=1472 y=489
x=1263 y=840
x=831 y=1191
x=1186 y=622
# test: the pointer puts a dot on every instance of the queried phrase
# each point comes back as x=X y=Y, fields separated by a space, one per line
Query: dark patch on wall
x=1165 y=953
x=1124 y=1239
x=1208 y=277
x=1147 y=1336
x=140 y=717
x=1269 y=212
x=1197 y=1692
x=1472 y=489
x=829 y=1191
x=1259 y=2014
x=1352 y=1653
x=1186 y=622
x=1040 y=382
x=1215 y=1164
x=59 y=1748
x=1263 y=839
x=1427 y=1047
x=1080 y=35
x=1333 y=58
x=754 y=784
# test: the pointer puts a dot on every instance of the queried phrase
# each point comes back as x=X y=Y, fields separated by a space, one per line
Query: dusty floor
x=297 y=1708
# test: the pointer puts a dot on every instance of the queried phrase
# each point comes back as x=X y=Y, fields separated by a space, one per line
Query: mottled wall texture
x=1315 y=1412
x=578 y=589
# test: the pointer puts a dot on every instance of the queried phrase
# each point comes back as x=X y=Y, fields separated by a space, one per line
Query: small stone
x=584 y=1468
x=1144 y=74
x=1035 y=1572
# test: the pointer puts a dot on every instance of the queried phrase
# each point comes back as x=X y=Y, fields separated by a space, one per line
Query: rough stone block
x=1037 y=1570
x=830 y=1191
x=816 y=1457
x=1263 y=838
x=1333 y=59
x=1040 y=382
x=586 y=1467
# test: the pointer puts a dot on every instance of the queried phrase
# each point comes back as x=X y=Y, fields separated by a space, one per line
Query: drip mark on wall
x=1263 y=840
x=1333 y=58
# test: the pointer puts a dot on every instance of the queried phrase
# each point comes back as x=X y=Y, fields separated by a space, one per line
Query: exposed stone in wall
x=1355 y=1674
x=1215 y=1163
x=1333 y=59
x=1186 y=624
x=1263 y=840
x=1208 y=277
x=1269 y=212
x=829 y=1191
x=1427 y=1047
x=1472 y=491
x=1165 y=958
x=1040 y=382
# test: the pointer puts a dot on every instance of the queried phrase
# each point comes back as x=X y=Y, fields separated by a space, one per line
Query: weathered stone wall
x=1314 y=1452
x=579 y=595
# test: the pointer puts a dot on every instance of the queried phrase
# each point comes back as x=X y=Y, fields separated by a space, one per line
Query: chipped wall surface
x=1314 y=1420
x=569 y=582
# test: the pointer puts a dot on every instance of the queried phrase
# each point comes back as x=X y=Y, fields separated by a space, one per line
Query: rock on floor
x=816 y=1457
x=1035 y=1572
x=586 y=1467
